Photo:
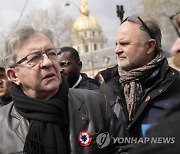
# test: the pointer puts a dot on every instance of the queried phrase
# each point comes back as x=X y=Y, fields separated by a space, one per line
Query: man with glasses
x=175 y=49
x=5 y=97
x=46 y=117
x=71 y=68
x=146 y=86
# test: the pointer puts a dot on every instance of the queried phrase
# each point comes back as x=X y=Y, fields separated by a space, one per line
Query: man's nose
x=45 y=60
x=118 y=49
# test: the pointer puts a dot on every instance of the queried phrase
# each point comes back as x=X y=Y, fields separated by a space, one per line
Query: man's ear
x=12 y=75
x=80 y=64
x=151 y=46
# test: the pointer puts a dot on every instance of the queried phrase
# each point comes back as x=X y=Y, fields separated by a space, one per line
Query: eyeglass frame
x=133 y=17
x=67 y=63
x=45 y=52
x=172 y=22
x=64 y=64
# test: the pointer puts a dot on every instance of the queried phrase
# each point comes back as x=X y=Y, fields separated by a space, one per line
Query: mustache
x=121 y=55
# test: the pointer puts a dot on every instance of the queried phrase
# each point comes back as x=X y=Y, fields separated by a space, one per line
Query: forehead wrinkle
x=129 y=30
x=36 y=42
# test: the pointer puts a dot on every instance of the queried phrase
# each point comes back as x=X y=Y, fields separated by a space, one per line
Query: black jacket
x=162 y=91
x=88 y=111
x=88 y=83
x=5 y=100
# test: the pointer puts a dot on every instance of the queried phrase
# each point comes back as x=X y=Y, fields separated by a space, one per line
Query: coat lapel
x=78 y=122
x=21 y=125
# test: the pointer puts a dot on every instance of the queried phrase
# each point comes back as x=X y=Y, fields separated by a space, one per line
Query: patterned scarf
x=132 y=86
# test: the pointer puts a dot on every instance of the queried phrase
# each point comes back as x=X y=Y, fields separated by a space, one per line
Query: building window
x=106 y=59
x=85 y=34
x=95 y=47
x=89 y=63
x=86 y=48
x=93 y=33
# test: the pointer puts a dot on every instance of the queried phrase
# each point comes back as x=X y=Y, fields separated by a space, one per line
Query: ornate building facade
x=88 y=39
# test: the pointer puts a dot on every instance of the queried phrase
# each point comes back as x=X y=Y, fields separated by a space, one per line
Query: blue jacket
x=161 y=93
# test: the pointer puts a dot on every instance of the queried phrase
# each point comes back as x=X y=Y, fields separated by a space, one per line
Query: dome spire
x=84 y=8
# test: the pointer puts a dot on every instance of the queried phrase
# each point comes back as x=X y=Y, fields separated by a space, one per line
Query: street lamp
x=120 y=12
x=68 y=4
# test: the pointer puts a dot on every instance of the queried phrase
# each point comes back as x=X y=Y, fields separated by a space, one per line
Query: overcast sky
x=103 y=10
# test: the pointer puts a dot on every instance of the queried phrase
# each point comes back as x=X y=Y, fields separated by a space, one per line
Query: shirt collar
x=77 y=82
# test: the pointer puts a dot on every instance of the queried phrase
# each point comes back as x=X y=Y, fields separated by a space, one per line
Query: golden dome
x=85 y=21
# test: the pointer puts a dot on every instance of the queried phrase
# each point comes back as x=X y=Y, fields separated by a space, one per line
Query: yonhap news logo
x=104 y=139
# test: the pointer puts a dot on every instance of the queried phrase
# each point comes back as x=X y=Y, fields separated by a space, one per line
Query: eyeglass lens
x=64 y=63
x=35 y=57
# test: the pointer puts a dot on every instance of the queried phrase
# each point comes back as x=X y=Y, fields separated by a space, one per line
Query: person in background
x=106 y=74
x=71 y=66
x=175 y=49
x=99 y=78
x=45 y=116
x=146 y=86
x=5 y=97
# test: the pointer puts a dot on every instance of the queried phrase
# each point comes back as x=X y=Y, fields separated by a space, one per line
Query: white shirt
x=78 y=81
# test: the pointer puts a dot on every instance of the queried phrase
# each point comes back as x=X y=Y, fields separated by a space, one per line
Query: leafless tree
x=53 y=18
x=162 y=10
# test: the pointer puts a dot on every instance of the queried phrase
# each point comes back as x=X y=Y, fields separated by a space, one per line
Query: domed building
x=86 y=33
x=88 y=39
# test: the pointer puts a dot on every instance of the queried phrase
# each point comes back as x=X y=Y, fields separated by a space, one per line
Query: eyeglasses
x=64 y=64
x=33 y=58
x=174 y=22
x=134 y=17
x=59 y=52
